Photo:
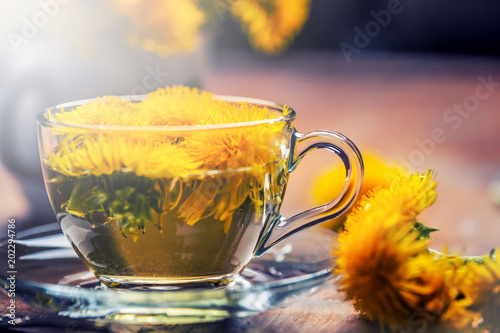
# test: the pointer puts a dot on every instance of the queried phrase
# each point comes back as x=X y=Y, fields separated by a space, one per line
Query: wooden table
x=388 y=104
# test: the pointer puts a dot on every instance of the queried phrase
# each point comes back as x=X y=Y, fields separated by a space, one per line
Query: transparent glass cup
x=136 y=220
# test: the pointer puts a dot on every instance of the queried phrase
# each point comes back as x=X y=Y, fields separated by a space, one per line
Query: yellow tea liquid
x=194 y=236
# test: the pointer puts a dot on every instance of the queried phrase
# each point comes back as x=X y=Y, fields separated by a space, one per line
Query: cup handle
x=283 y=227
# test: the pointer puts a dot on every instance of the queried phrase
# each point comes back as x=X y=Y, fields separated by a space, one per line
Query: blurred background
x=388 y=74
x=432 y=27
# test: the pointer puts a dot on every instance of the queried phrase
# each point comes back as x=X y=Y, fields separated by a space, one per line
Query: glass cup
x=139 y=210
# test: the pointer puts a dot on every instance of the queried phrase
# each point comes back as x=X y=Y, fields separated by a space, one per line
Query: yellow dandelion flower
x=252 y=148
x=484 y=289
x=409 y=195
x=382 y=257
x=178 y=106
x=106 y=154
x=163 y=26
x=90 y=152
x=374 y=258
x=232 y=148
x=418 y=194
x=271 y=24
x=434 y=291
x=457 y=313
x=378 y=173
x=108 y=110
x=391 y=276
x=212 y=171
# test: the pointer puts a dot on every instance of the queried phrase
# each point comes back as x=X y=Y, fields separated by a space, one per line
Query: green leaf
x=424 y=231
x=78 y=196
x=96 y=200
x=124 y=194
x=123 y=198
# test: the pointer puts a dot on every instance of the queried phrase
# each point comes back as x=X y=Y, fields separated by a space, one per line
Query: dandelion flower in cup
x=179 y=106
x=231 y=148
x=109 y=153
x=251 y=147
x=128 y=174
x=150 y=154
x=108 y=110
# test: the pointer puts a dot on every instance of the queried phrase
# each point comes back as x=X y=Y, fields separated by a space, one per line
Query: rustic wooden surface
x=384 y=104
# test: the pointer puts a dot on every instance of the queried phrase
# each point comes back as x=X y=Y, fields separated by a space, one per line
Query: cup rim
x=290 y=116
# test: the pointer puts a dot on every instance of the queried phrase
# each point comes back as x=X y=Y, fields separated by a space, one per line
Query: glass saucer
x=50 y=276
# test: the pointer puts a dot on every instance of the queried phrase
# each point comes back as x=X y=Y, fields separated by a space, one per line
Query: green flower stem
x=465 y=259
